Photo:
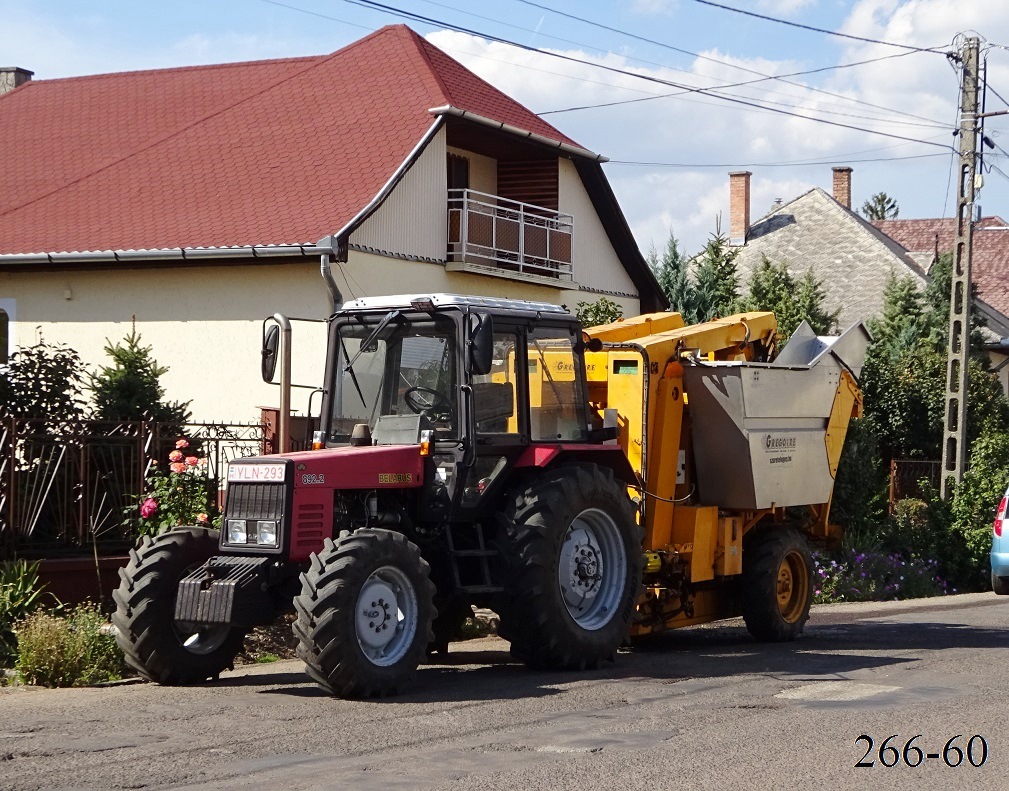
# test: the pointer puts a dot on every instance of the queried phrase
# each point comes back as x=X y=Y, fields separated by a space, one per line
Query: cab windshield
x=407 y=367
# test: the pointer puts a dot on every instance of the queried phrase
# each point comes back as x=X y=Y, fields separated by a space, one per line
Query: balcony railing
x=491 y=231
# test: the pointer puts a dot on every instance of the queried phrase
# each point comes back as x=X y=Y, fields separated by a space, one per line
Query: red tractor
x=442 y=480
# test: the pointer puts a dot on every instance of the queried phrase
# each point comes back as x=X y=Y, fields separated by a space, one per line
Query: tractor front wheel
x=155 y=645
x=572 y=552
x=777 y=584
x=364 y=614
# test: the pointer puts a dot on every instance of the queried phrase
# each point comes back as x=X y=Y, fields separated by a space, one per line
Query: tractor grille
x=255 y=500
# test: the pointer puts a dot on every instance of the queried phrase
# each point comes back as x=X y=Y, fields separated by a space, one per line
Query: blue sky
x=913 y=96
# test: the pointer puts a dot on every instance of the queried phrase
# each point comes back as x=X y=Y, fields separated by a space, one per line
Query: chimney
x=842 y=186
x=739 y=207
x=12 y=77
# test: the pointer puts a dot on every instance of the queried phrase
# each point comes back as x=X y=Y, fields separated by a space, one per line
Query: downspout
x=334 y=289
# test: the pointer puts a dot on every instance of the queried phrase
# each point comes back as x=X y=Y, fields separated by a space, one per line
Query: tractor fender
x=543 y=456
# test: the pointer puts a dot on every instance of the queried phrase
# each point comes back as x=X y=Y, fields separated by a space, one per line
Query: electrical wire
x=763 y=75
x=825 y=31
x=795 y=163
x=392 y=10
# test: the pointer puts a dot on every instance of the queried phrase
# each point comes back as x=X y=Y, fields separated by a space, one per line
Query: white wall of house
x=595 y=262
x=413 y=219
x=412 y=223
x=196 y=319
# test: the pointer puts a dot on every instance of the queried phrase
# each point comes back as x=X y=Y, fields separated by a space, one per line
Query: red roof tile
x=990 y=259
x=268 y=152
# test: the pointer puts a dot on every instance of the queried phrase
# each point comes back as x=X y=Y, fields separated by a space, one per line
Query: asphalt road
x=698 y=708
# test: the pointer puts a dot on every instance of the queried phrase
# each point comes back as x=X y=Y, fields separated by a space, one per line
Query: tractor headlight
x=266 y=532
x=237 y=531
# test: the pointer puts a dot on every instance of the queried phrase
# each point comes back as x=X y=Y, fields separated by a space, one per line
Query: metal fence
x=907 y=476
x=65 y=486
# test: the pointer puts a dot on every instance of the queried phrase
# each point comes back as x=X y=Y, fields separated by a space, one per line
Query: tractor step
x=471 y=559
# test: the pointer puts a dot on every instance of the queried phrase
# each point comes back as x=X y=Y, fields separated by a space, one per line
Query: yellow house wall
x=196 y=319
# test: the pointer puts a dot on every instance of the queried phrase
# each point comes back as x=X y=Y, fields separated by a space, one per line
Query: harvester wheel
x=155 y=645
x=364 y=614
x=1000 y=585
x=572 y=552
x=777 y=584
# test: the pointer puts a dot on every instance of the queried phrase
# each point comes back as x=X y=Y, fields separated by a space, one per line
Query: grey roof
x=851 y=257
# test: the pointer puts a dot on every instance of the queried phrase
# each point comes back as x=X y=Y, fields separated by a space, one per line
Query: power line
x=452 y=26
x=764 y=76
x=818 y=29
x=790 y=164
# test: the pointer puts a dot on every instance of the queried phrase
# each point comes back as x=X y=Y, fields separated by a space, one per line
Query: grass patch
x=265 y=658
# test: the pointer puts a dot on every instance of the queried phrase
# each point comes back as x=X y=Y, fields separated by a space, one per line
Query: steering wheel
x=437 y=403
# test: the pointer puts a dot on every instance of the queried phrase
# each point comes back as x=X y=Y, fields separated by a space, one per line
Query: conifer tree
x=130 y=388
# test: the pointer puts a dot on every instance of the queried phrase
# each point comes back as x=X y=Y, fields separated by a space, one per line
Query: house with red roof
x=196 y=201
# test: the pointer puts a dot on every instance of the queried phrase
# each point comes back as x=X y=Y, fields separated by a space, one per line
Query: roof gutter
x=567 y=148
x=162 y=254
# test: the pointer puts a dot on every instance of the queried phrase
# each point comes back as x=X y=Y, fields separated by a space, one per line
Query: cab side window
x=556 y=400
x=495 y=395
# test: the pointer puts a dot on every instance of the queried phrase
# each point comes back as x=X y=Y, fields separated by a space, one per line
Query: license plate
x=256 y=473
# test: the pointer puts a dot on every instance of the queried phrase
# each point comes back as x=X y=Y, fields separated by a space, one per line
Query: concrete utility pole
x=954 y=447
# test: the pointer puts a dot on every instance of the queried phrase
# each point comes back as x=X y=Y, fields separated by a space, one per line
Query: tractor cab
x=475 y=381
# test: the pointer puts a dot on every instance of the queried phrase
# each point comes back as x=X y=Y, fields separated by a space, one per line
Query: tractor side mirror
x=481 y=343
x=271 y=342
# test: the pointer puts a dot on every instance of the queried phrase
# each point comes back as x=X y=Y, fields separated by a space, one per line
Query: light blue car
x=1000 y=550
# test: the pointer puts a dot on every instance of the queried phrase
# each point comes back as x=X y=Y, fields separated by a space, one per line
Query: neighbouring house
x=197 y=201
x=851 y=257
x=854 y=257
x=926 y=240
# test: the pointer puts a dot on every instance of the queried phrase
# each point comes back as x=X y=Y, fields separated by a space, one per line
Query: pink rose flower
x=175 y=455
x=202 y=519
x=192 y=461
x=182 y=443
x=177 y=467
x=148 y=507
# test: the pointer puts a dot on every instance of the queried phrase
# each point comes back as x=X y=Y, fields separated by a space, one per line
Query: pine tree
x=717 y=278
x=671 y=272
x=772 y=287
x=130 y=388
x=880 y=207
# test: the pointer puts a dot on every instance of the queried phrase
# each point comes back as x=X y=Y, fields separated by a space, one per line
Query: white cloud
x=784 y=7
x=654 y=6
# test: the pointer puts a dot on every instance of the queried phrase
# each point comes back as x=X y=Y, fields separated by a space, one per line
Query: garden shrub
x=20 y=595
x=76 y=650
x=875 y=576
x=977 y=498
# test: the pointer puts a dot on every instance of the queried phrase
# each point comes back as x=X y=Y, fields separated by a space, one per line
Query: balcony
x=497 y=236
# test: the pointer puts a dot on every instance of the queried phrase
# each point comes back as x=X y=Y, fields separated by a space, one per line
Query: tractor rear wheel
x=364 y=614
x=777 y=584
x=572 y=553
x=155 y=645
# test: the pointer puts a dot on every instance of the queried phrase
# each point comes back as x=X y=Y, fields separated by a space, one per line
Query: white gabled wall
x=595 y=262
x=412 y=221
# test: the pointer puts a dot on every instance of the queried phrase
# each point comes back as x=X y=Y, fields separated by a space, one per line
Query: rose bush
x=181 y=496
